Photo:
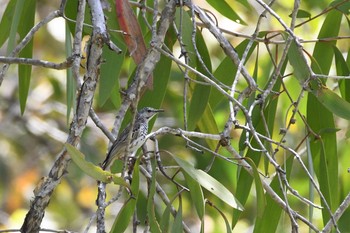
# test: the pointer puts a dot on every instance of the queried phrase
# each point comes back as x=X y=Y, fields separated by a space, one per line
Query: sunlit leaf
x=302 y=14
x=296 y=59
x=323 y=57
x=333 y=102
x=92 y=170
x=209 y=183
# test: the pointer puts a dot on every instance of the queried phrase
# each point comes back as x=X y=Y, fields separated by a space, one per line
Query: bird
x=138 y=136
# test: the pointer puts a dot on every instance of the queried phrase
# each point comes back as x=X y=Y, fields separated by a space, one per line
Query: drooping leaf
x=92 y=170
x=245 y=180
x=323 y=56
x=226 y=10
x=177 y=226
x=298 y=62
x=110 y=71
x=226 y=72
x=272 y=214
x=209 y=183
x=302 y=14
x=161 y=75
x=207 y=124
x=14 y=25
x=125 y=214
x=153 y=223
x=333 y=102
x=6 y=21
x=342 y=70
x=260 y=195
x=200 y=95
x=25 y=71
x=196 y=195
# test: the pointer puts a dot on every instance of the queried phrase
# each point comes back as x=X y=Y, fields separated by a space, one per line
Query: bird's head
x=147 y=113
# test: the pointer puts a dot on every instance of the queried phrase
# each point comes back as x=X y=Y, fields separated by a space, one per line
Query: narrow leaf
x=92 y=170
x=14 y=25
x=342 y=69
x=209 y=183
x=110 y=71
x=177 y=226
x=298 y=62
x=196 y=195
x=201 y=92
x=6 y=20
x=226 y=10
x=333 y=102
x=133 y=37
x=125 y=214
x=24 y=71
x=153 y=223
x=207 y=124
x=260 y=195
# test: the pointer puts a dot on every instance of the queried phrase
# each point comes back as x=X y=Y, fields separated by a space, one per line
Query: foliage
x=256 y=112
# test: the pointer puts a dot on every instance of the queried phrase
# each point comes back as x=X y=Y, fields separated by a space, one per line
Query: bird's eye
x=149 y=110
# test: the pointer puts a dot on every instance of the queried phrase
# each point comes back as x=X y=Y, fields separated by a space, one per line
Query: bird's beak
x=159 y=110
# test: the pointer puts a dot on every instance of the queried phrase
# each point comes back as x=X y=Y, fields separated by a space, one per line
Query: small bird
x=138 y=137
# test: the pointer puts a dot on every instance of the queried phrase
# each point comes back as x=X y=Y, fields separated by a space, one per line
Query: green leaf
x=209 y=183
x=186 y=34
x=302 y=14
x=342 y=70
x=344 y=7
x=260 y=195
x=177 y=226
x=24 y=71
x=323 y=52
x=227 y=67
x=298 y=62
x=333 y=102
x=161 y=75
x=153 y=223
x=207 y=124
x=201 y=92
x=226 y=10
x=227 y=223
x=245 y=180
x=164 y=222
x=125 y=214
x=6 y=20
x=273 y=212
x=321 y=63
x=92 y=170
x=110 y=71
x=196 y=195
x=14 y=25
